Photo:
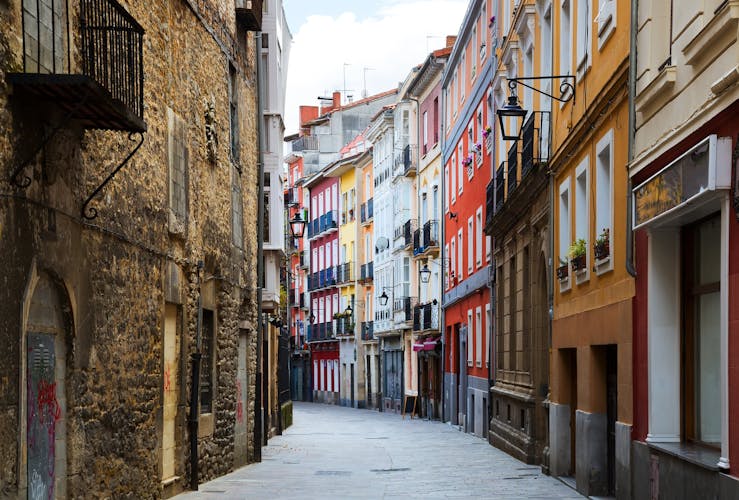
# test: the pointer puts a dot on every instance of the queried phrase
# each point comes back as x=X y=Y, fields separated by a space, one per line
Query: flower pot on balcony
x=578 y=263
x=601 y=250
x=562 y=272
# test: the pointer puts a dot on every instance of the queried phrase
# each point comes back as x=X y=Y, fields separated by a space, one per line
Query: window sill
x=565 y=285
x=697 y=455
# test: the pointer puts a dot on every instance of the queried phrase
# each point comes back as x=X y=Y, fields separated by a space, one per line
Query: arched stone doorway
x=45 y=367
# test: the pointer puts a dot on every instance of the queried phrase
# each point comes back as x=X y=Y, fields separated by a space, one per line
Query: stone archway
x=45 y=368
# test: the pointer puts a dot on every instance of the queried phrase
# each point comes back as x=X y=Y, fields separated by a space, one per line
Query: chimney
x=337 y=100
x=450 y=39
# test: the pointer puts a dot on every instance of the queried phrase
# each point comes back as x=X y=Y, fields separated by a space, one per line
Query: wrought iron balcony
x=418 y=247
x=512 y=167
x=345 y=273
x=367 y=272
x=344 y=327
x=366 y=212
x=328 y=221
x=406 y=161
x=404 y=305
x=426 y=317
x=305 y=143
x=108 y=93
x=430 y=237
x=249 y=13
x=368 y=330
x=535 y=147
x=291 y=197
x=500 y=186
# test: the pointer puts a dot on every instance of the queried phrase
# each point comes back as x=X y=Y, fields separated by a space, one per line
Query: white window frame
x=460 y=255
x=606 y=21
x=470 y=245
x=582 y=214
x=478 y=236
x=453 y=261
x=584 y=36
x=488 y=332
x=564 y=230
x=470 y=338
x=565 y=37
x=604 y=198
x=478 y=336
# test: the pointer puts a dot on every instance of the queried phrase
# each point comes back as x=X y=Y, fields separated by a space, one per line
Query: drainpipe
x=194 y=415
x=632 y=130
x=442 y=227
x=258 y=410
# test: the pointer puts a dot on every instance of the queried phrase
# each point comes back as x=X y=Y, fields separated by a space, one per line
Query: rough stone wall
x=114 y=268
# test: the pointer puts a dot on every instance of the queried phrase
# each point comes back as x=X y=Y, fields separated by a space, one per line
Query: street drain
x=397 y=469
x=333 y=473
x=381 y=437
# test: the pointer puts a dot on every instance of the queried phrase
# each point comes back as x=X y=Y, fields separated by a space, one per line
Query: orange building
x=591 y=365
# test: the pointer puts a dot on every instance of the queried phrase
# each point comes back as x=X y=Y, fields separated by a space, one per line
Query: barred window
x=178 y=160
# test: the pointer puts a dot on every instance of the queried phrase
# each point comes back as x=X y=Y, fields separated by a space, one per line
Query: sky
x=337 y=39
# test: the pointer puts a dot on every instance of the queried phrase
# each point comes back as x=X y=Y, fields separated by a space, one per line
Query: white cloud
x=391 y=42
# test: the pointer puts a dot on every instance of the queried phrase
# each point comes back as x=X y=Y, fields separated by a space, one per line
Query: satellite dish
x=381 y=244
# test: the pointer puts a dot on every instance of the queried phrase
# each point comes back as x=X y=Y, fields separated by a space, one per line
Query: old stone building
x=111 y=287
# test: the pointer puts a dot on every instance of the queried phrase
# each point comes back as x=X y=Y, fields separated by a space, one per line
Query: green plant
x=603 y=238
x=577 y=249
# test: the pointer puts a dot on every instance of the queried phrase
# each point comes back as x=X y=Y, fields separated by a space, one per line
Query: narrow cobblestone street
x=337 y=452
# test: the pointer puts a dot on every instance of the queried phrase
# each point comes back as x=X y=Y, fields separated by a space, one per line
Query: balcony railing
x=426 y=317
x=417 y=242
x=367 y=271
x=406 y=161
x=535 y=147
x=512 y=167
x=109 y=92
x=405 y=232
x=313 y=282
x=314 y=228
x=291 y=197
x=368 y=330
x=404 y=305
x=305 y=143
x=500 y=186
x=249 y=12
x=430 y=238
x=328 y=221
x=344 y=273
x=304 y=259
x=365 y=211
x=344 y=327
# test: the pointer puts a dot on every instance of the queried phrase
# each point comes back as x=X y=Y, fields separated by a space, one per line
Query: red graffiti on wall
x=167 y=382
x=239 y=403
x=48 y=407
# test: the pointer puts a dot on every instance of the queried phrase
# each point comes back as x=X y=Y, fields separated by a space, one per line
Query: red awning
x=427 y=345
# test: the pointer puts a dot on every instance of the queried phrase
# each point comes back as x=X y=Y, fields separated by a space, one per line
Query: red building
x=323 y=237
x=466 y=253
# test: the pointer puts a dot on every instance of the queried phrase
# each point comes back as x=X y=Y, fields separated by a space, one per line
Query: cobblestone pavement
x=337 y=452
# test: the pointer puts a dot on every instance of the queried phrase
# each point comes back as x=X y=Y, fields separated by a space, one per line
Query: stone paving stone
x=337 y=452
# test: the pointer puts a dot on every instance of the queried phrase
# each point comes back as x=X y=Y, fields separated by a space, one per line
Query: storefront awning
x=427 y=345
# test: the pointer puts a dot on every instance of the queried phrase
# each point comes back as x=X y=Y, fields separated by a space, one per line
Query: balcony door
x=44 y=34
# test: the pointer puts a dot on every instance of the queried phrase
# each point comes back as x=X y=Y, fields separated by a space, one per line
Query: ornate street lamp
x=425 y=273
x=383 y=298
x=514 y=110
x=297 y=226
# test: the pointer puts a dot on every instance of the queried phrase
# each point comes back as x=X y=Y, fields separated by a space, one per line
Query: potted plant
x=488 y=130
x=576 y=253
x=467 y=161
x=602 y=247
x=492 y=21
x=562 y=270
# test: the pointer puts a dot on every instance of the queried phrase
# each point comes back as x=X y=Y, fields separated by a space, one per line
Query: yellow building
x=591 y=361
x=351 y=359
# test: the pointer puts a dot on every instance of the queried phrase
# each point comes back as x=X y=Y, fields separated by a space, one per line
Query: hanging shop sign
x=702 y=170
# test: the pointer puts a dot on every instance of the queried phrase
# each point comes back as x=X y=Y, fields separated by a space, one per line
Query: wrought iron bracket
x=566 y=87
x=90 y=213
x=26 y=181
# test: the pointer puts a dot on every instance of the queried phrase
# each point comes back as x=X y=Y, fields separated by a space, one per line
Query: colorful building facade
x=466 y=253
x=684 y=214
x=518 y=219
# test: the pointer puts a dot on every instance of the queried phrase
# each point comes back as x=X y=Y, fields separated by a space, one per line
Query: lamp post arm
x=566 y=86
